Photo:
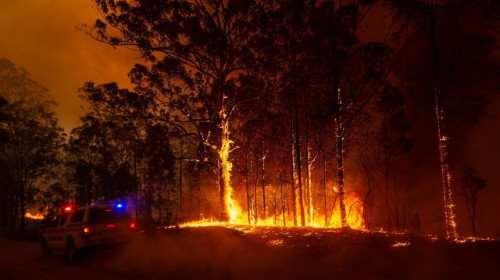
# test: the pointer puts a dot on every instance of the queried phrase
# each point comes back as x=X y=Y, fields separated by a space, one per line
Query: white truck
x=85 y=227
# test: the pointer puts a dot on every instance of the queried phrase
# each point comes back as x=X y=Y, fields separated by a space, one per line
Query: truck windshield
x=103 y=215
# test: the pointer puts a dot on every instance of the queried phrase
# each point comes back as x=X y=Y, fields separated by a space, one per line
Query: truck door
x=60 y=233
x=50 y=231
x=75 y=227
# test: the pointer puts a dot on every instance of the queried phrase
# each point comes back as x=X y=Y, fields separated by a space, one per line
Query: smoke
x=41 y=36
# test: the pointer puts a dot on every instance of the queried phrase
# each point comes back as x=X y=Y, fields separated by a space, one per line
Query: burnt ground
x=263 y=253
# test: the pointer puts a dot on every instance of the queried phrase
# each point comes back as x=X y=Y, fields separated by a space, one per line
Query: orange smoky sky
x=42 y=37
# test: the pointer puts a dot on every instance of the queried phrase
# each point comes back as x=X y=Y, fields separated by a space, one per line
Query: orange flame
x=237 y=216
x=233 y=208
x=37 y=216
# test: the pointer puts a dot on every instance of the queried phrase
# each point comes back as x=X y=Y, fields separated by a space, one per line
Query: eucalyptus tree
x=353 y=69
x=457 y=66
x=32 y=140
x=472 y=184
x=194 y=52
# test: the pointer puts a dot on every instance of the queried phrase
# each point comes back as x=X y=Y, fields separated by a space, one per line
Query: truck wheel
x=70 y=251
x=45 y=249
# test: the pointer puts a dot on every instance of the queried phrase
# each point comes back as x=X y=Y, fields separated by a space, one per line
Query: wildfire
x=401 y=244
x=37 y=216
x=203 y=223
x=233 y=209
x=276 y=242
x=237 y=216
x=472 y=239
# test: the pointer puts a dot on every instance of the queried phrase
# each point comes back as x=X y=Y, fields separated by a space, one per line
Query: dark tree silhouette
x=196 y=50
x=32 y=138
x=471 y=186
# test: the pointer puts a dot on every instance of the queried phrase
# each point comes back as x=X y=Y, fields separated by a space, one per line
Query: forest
x=286 y=113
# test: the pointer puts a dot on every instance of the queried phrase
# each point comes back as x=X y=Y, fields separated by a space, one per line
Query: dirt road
x=20 y=260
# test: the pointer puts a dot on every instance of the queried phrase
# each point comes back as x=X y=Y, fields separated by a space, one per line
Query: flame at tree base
x=235 y=215
x=37 y=216
x=232 y=208
x=239 y=217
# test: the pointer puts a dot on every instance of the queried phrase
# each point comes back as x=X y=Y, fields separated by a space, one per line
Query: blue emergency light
x=120 y=205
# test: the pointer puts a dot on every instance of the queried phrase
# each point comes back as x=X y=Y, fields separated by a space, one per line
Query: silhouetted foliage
x=33 y=140
x=471 y=186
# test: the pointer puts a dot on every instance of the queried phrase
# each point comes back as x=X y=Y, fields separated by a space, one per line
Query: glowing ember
x=276 y=242
x=472 y=239
x=37 y=216
x=401 y=244
x=203 y=223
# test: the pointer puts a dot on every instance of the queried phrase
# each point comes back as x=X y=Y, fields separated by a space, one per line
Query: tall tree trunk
x=325 y=190
x=367 y=201
x=451 y=231
x=262 y=179
x=222 y=159
x=136 y=187
x=247 y=179
x=282 y=200
x=308 y=180
x=298 y=163
x=339 y=138
x=22 y=203
x=180 y=184
x=473 y=219
x=390 y=214
x=292 y=167
x=14 y=210
x=168 y=209
x=255 y=206
x=160 y=203
x=297 y=130
x=5 y=207
x=90 y=183
x=222 y=192
x=198 y=197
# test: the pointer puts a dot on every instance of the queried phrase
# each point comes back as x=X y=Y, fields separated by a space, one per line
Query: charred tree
x=339 y=154
x=294 y=92
x=262 y=178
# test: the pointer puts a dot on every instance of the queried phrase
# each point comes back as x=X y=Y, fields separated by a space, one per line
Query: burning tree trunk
x=246 y=178
x=180 y=182
x=298 y=164
x=339 y=138
x=282 y=190
x=282 y=200
x=308 y=181
x=296 y=118
x=325 y=191
x=292 y=169
x=229 y=208
x=262 y=179
x=449 y=215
